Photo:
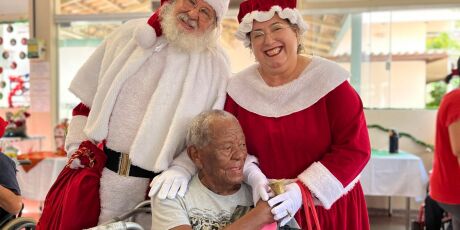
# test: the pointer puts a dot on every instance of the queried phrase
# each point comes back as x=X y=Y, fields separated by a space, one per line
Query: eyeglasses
x=204 y=11
x=259 y=34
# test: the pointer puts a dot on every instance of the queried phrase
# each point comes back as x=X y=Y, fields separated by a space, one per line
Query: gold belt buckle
x=124 y=165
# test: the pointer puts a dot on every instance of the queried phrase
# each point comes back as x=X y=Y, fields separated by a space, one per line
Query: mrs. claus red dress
x=312 y=128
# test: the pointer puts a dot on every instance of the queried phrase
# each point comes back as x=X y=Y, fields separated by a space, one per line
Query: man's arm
x=182 y=227
x=9 y=201
x=454 y=137
x=253 y=220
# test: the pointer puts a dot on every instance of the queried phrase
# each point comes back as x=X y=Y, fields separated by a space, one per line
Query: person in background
x=444 y=182
x=301 y=118
x=10 y=194
x=217 y=198
x=139 y=90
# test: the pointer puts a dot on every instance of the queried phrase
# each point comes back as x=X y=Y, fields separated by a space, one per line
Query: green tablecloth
x=385 y=153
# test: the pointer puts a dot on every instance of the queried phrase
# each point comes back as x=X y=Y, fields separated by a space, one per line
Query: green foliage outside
x=443 y=41
x=436 y=91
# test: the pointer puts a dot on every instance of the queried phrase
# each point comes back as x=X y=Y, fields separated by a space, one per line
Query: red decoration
x=13 y=65
x=24 y=41
x=1 y=69
x=1 y=40
x=18 y=87
x=456 y=71
x=249 y=6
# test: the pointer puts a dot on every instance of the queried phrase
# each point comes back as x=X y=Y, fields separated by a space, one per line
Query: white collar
x=250 y=91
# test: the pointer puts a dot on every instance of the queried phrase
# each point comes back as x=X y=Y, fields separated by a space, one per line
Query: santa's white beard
x=183 y=40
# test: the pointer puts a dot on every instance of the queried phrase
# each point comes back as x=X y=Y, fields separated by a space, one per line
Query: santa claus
x=139 y=90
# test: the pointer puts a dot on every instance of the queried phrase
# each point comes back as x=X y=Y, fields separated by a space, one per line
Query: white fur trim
x=220 y=6
x=145 y=36
x=120 y=194
x=293 y=15
x=249 y=90
x=75 y=134
x=324 y=185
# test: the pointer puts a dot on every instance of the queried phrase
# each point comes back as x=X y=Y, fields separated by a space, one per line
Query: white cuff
x=324 y=185
x=75 y=134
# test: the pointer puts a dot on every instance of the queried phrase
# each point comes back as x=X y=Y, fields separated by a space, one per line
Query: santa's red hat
x=264 y=10
x=143 y=36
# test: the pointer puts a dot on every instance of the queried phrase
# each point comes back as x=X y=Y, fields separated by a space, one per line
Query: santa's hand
x=76 y=164
x=171 y=182
x=254 y=177
x=285 y=205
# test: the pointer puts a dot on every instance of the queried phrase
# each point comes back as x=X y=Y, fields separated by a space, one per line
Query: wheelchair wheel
x=20 y=223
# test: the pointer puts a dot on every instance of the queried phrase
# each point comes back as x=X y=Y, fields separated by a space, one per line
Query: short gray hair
x=199 y=132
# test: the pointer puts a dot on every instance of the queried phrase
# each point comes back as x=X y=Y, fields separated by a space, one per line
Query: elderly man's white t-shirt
x=200 y=208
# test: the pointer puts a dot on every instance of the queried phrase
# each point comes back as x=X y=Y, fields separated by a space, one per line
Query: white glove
x=171 y=182
x=285 y=205
x=76 y=164
x=254 y=177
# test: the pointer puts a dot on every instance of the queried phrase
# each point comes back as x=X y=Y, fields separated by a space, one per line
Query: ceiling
x=320 y=39
x=321 y=36
x=18 y=9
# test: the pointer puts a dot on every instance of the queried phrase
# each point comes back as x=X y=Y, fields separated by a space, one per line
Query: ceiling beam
x=117 y=6
x=318 y=22
x=317 y=45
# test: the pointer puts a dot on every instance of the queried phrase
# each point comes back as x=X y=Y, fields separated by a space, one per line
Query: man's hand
x=263 y=212
x=285 y=205
x=172 y=182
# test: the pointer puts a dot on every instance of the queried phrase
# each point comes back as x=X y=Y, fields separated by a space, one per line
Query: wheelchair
x=16 y=222
x=126 y=221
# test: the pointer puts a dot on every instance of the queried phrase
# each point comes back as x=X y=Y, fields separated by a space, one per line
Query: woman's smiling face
x=274 y=43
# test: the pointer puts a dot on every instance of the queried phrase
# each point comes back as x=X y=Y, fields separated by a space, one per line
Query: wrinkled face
x=223 y=158
x=194 y=16
x=274 y=43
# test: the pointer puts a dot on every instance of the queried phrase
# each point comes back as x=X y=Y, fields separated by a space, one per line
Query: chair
x=16 y=222
x=126 y=220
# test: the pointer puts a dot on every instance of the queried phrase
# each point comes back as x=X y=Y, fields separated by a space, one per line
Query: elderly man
x=216 y=197
x=138 y=91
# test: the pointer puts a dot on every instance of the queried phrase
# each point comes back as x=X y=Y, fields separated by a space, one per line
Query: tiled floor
x=380 y=220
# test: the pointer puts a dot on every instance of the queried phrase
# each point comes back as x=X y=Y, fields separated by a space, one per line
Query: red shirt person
x=444 y=182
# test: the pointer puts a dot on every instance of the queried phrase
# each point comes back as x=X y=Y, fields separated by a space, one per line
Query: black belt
x=120 y=163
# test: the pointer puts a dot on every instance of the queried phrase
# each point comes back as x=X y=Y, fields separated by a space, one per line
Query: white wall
x=401 y=87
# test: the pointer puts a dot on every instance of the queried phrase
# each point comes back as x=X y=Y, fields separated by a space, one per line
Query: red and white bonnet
x=264 y=10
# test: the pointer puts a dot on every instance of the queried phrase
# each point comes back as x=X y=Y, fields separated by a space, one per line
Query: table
x=24 y=144
x=36 y=182
x=401 y=174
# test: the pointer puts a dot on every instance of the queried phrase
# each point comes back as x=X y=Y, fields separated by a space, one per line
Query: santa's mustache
x=186 y=18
